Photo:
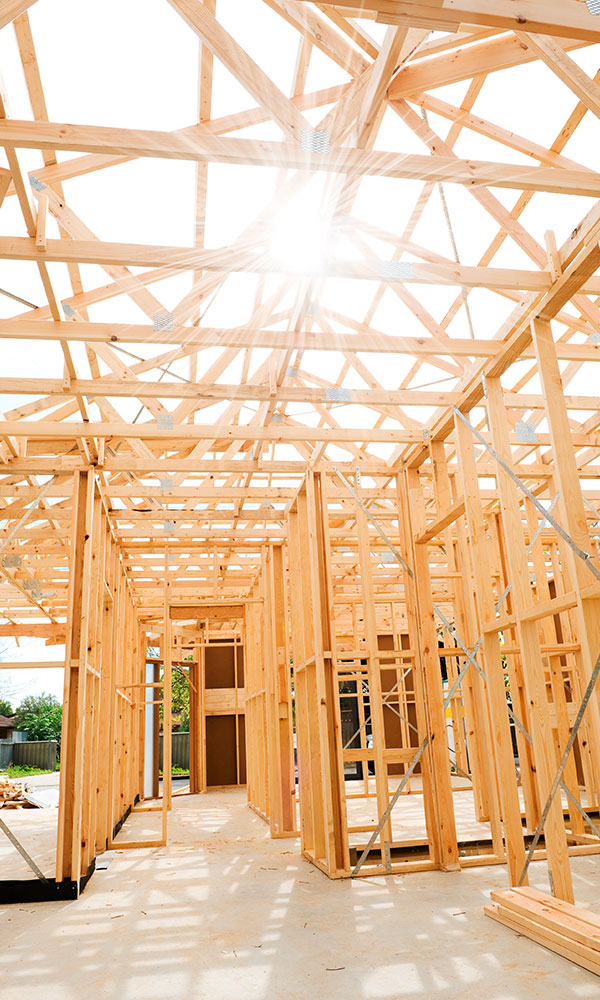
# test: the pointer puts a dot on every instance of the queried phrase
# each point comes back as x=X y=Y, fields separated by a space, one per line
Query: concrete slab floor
x=224 y=913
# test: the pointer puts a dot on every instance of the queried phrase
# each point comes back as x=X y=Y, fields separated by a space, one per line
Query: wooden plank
x=572 y=514
x=241 y=66
x=448 y=857
x=568 y=920
x=571 y=19
x=548 y=939
x=501 y=740
x=166 y=145
x=70 y=814
x=437 y=527
x=11 y=9
x=464 y=62
x=206 y=611
x=539 y=721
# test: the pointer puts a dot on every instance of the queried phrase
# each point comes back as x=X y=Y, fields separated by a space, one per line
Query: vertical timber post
x=68 y=854
x=529 y=642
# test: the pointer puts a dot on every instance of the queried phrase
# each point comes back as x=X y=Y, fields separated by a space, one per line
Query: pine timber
x=360 y=514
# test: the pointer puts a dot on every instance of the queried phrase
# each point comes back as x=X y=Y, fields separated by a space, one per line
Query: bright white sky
x=133 y=63
x=17 y=684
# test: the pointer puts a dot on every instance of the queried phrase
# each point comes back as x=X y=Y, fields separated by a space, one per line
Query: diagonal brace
x=18 y=845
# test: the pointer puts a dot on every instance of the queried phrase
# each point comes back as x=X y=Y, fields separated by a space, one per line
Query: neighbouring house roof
x=6 y=723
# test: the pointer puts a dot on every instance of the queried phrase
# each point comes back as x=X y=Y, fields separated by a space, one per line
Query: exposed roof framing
x=203 y=374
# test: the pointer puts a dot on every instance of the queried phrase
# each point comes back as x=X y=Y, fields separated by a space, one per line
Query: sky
x=133 y=63
x=17 y=684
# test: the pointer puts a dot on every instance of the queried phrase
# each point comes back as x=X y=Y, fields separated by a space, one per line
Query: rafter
x=356 y=362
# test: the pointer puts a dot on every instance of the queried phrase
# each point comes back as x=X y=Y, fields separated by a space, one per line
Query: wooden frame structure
x=388 y=465
x=269 y=709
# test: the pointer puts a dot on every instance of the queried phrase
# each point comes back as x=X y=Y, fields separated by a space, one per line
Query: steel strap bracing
x=579 y=808
x=585 y=556
x=563 y=763
x=373 y=521
x=591 y=506
x=446 y=211
x=498 y=607
x=469 y=654
x=470 y=659
x=385 y=701
x=407 y=568
x=537 y=534
x=29 y=860
x=392 y=803
x=406 y=777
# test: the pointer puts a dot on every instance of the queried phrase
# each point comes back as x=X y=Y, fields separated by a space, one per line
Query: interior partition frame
x=323 y=820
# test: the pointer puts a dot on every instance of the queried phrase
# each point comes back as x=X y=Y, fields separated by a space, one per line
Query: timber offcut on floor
x=299 y=422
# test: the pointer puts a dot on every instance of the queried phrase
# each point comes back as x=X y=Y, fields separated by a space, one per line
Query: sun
x=300 y=237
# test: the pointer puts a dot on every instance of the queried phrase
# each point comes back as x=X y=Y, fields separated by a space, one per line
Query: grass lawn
x=23 y=771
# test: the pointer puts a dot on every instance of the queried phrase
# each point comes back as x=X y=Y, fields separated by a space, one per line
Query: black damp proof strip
x=33 y=890
x=124 y=817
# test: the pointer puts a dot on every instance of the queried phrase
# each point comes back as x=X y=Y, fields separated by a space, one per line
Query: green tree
x=181 y=700
x=6 y=708
x=180 y=695
x=40 y=715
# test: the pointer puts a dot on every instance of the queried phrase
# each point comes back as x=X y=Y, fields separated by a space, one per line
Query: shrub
x=40 y=715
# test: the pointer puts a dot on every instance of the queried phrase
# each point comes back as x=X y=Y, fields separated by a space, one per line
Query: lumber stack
x=12 y=794
x=563 y=928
